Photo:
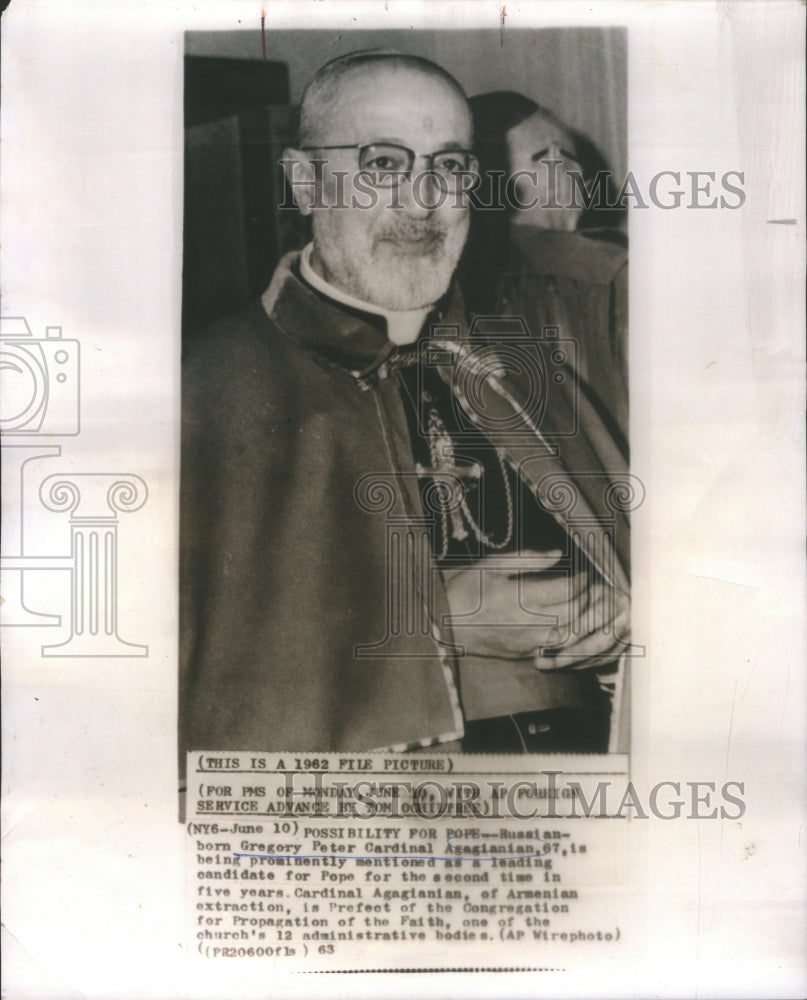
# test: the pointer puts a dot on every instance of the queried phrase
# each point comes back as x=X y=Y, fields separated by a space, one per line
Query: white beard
x=395 y=276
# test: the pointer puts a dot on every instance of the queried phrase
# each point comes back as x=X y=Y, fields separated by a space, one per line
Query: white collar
x=403 y=327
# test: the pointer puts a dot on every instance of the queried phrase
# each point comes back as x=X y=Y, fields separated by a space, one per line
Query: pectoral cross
x=455 y=507
x=444 y=468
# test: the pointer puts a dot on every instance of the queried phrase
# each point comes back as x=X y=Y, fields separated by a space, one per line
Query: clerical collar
x=403 y=327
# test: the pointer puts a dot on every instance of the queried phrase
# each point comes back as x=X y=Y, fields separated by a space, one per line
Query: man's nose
x=420 y=194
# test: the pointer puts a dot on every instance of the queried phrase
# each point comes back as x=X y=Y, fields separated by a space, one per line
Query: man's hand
x=518 y=609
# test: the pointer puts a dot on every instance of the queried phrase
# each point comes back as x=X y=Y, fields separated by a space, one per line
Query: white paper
x=92 y=132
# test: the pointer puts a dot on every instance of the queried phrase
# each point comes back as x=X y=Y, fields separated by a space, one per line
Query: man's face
x=400 y=252
x=548 y=192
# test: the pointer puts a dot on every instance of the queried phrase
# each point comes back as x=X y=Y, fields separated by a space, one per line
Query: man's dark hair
x=494 y=115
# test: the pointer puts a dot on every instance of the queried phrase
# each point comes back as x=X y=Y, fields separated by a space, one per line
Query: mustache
x=425 y=231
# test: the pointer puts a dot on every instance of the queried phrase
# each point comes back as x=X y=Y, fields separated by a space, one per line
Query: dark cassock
x=577 y=281
x=331 y=480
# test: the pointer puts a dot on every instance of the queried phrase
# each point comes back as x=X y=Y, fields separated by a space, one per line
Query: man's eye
x=449 y=164
x=383 y=163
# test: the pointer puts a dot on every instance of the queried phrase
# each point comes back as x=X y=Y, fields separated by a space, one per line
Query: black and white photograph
x=405 y=470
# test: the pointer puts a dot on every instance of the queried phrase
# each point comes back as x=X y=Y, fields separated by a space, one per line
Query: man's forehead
x=396 y=102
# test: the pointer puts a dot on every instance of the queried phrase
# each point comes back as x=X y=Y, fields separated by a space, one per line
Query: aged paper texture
x=370 y=794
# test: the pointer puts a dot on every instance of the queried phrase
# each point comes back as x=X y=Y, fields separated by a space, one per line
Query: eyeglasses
x=386 y=163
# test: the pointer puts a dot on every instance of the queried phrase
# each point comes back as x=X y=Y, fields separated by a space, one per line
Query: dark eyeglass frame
x=394 y=176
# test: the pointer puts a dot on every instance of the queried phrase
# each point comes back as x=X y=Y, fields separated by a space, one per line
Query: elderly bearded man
x=362 y=567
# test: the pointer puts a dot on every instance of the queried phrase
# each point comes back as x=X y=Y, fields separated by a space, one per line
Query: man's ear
x=302 y=177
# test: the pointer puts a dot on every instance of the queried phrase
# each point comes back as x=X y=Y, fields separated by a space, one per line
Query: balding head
x=345 y=86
